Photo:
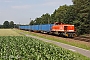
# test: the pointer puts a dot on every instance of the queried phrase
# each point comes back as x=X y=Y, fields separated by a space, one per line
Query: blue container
x=25 y=27
x=21 y=27
x=46 y=27
x=35 y=27
x=40 y=27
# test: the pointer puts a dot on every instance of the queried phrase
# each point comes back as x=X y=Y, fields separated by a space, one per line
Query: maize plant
x=26 y=48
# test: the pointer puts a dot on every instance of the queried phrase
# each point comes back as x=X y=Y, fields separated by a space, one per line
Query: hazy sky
x=20 y=11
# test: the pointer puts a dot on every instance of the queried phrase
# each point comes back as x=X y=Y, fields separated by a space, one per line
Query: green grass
x=26 y=48
x=73 y=43
x=8 y=32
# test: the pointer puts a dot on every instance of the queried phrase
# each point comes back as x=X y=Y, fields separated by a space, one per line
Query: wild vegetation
x=77 y=14
x=25 y=48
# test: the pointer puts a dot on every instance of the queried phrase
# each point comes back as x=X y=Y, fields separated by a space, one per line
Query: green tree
x=6 y=24
x=53 y=18
x=11 y=24
x=82 y=8
x=31 y=23
x=70 y=15
x=1 y=26
x=45 y=18
x=38 y=21
x=64 y=14
x=61 y=13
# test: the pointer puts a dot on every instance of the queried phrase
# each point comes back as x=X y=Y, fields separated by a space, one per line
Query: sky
x=20 y=11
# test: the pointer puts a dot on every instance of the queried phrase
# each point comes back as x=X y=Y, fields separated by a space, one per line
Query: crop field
x=8 y=32
x=14 y=46
x=25 y=48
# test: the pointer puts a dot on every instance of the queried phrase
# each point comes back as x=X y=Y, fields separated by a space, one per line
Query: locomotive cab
x=70 y=31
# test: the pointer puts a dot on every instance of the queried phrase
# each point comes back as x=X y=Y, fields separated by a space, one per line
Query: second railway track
x=86 y=39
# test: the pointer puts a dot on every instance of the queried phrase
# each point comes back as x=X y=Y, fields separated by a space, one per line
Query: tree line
x=77 y=14
x=8 y=24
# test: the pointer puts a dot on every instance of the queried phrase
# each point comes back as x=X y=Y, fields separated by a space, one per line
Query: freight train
x=60 y=29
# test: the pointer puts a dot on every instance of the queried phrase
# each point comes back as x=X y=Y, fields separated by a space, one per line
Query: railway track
x=81 y=38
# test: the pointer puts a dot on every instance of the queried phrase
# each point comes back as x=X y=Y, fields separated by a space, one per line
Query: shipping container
x=46 y=27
